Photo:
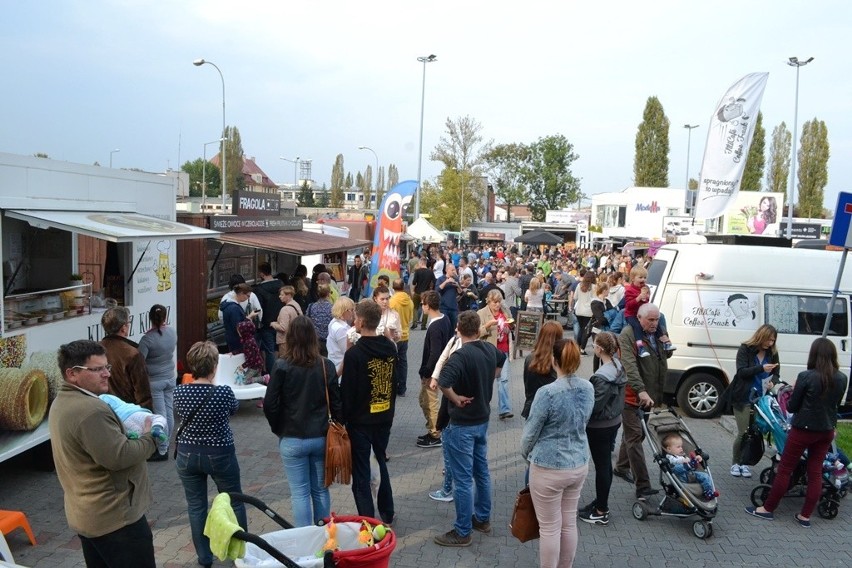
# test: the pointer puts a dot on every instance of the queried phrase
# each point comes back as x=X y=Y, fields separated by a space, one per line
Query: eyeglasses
x=97 y=370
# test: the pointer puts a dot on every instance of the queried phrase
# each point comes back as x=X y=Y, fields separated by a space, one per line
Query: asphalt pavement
x=737 y=540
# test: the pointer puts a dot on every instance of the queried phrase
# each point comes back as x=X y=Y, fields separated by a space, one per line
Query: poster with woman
x=754 y=213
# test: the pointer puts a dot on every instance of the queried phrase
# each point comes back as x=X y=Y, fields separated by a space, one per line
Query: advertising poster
x=754 y=213
x=719 y=310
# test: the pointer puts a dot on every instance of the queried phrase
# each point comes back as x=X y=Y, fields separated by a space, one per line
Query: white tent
x=424 y=231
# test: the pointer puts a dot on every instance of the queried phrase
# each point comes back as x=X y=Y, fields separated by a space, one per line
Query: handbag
x=751 y=446
x=338 y=448
x=189 y=418
x=524 y=524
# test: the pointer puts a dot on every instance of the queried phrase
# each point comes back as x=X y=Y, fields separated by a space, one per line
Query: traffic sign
x=841 y=228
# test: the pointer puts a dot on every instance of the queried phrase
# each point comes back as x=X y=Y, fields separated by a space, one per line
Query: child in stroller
x=686 y=467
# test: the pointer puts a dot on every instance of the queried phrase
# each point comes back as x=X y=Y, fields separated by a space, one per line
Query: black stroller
x=681 y=499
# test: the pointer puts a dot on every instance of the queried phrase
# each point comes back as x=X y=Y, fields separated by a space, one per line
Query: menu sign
x=527 y=327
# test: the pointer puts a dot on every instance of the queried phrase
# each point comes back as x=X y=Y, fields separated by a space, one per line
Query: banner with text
x=728 y=140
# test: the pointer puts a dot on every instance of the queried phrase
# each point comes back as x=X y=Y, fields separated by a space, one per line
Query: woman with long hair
x=297 y=410
x=609 y=382
x=554 y=443
x=158 y=346
x=758 y=369
x=814 y=403
x=534 y=296
x=205 y=446
x=538 y=365
x=583 y=296
x=343 y=316
x=598 y=322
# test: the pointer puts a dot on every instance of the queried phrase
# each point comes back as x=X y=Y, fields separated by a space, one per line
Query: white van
x=715 y=296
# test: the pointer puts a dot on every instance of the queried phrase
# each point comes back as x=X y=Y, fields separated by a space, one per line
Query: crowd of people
x=343 y=355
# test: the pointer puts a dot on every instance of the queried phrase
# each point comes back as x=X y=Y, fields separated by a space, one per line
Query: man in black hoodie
x=367 y=388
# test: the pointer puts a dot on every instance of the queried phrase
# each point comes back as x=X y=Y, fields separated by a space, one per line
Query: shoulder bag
x=338 y=449
x=190 y=416
x=524 y=524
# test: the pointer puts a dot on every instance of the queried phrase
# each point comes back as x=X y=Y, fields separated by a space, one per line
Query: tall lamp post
x=204 y=174
x=199 y=63
x=377 y=169
x=424 y=60
x=111 y=152
x=794 y=62
x=295 y=169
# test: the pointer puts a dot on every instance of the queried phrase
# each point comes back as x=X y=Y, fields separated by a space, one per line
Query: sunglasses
x=97 y=370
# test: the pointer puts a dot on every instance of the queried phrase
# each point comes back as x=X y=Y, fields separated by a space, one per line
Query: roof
x=249 y=169
x=294 y=242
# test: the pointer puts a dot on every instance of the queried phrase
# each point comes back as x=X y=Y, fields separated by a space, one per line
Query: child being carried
x=133 y=417
x=684 y=467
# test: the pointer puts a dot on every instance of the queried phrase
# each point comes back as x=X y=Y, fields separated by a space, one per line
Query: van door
x=658 y=273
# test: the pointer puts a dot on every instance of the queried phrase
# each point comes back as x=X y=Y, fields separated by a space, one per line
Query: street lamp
x=794 y=62
x=199 y=63
x=110 y=155
x=204 y=174
x=295 y=169
x=377 y=169
x=424 y=60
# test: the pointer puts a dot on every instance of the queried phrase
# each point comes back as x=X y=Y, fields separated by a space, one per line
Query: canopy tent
x=539 y=238
x=424 y=231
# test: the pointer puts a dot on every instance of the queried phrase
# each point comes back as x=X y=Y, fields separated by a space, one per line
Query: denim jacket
x=555 y=432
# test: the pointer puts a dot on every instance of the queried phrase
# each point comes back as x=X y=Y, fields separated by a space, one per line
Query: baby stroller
x=773 y=420
x=302 y=543
x=681 y=499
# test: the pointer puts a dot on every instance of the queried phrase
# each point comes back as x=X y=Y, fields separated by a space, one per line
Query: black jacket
x=368 y=384
x=438 y=334
x=295 y=404
x=610 y=382
x=532 y=382
x=740 y=387
x=814 y=411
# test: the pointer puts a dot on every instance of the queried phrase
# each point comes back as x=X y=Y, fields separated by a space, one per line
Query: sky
x=317 y=79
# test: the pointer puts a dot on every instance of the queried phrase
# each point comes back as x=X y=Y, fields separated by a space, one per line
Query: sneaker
x=754 y=513
x=506 y=415
x=802 y=522
x=594 y=518
x=669 y=347
x=745 y=471
x=429 y=442
x=735 y=470
x=481 y=526
x=400 y=394
x=441 y=495
x=644 y=353
x=648 y=491
x=625 y=475
x=452 y=538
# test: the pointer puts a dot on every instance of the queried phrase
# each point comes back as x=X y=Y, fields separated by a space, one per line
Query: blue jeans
x=304 y=464
x=401 y=366
x=162 y=398
x=193 y=468
x=504 y=404
x=266 y=342
x=363 y=437
x=467 y=453
x=452 y=315
x=682 y=472
x=448 y=473
x=131 y=546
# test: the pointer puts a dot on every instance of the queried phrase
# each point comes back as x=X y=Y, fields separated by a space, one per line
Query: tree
x=41 y=155
x=234 y=155
x=813 y=168
x=547 y=175
x=651 y=164
x=693 y=183
x=463 y=147
x=778 y=174
x=323 y=199
x=198 y=173
x=753 y=172
x=337 y=181
x=393 y=176
x=505 y=163
x=367 y=187
x=306 y=195
x=380 y=186
x=348 y=184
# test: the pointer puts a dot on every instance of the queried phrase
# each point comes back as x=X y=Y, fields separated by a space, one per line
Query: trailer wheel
x=699 y=395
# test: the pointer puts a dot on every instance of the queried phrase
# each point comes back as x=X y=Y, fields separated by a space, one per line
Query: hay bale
x=23 y=399
x=47 y=362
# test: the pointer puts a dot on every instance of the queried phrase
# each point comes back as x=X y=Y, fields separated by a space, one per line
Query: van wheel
x=698 y=396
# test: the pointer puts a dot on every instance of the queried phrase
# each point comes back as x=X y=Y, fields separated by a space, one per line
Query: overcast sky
x=315 y=79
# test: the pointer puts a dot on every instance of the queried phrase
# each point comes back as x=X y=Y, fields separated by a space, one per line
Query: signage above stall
x=255 y=204
x=234 y=224
x=487 y=236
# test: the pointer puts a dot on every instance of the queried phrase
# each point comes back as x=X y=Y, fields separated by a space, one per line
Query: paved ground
x=738 y=540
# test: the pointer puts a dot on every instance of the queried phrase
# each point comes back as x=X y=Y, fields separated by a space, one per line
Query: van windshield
x=655 y=272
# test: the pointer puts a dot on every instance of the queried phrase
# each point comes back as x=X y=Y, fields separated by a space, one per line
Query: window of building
x=610 y=216
x=805 y=315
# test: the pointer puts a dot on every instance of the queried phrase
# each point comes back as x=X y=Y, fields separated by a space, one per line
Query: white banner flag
x=728 y=140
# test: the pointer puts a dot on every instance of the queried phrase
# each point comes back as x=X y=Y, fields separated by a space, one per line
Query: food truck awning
x=294 y=242
x=111 y=226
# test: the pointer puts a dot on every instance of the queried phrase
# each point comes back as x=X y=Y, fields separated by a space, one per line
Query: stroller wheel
x=760 y=494
x=702 y=529
x=827 y=508
x=766 y=476
x=640 y=513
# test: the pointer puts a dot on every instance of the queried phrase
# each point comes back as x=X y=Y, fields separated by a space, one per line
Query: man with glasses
x=129 y=376
x=102 y=472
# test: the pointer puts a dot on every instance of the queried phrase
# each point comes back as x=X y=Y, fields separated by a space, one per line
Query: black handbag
x=751 y=446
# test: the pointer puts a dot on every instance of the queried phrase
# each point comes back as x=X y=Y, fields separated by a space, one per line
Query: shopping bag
x=524 y=523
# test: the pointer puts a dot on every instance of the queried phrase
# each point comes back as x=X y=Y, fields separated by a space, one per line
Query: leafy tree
x=306 y=195
x=367 y=186
x=813 y=168
x=198 y=173
x=462 y=148
x=323 y=198
x=547 y=175
x=234 y=155
x=393 y=176
x=505 y=163
x=40 y=155
x=448 y=206
x=380 y=186
x=753 y=171
x=693 y=183
x=348 y=184
x=337 y=181
x=651 y=164
x=778 y=174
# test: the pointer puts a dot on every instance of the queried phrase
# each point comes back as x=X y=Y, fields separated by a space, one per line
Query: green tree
x=756 y=161
x=548 y=177
x=40 y=155
x=651 y=163
x=234 y=155
x=813 y=168
x=323 y=197
x=693 y=183
x=463 y=147
x=305 y=197
x=198 y=173
x=505 y=163
x=778 y=174
x=367 y=187
x=337 y=181
x=348 y=184
x=393 y=176
x=380 y=186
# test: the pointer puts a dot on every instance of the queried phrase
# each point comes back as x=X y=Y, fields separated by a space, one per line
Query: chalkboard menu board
x=527 y=327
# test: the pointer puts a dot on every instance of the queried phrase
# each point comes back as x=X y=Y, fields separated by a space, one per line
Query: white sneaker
x=440 y=495
x=735 y=470
x=745 y=471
